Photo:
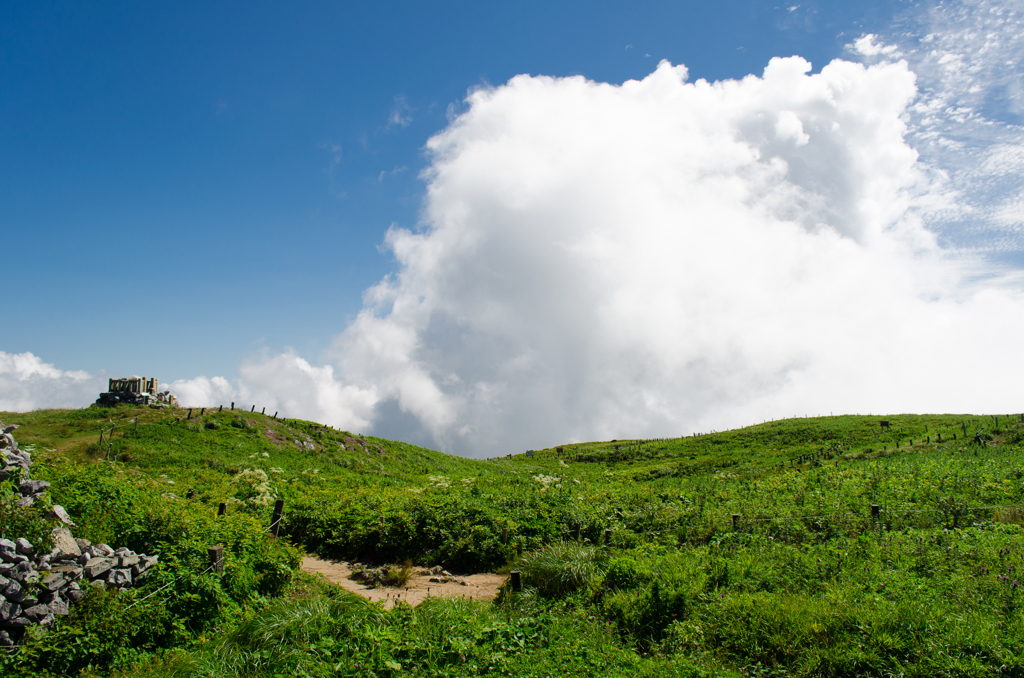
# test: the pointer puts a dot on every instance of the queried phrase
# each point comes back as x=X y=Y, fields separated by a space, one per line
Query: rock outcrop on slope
x=17 y=464
x=38 y=585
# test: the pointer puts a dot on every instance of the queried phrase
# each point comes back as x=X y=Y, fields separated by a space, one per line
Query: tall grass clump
x=399 y=575
x=288 y=634
x=304 y=637
x=559 y=569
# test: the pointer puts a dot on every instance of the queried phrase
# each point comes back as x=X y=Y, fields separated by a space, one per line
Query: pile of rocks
x=37 y=586
x=372 y=576
x=438 y=575
x=18 y=462
x=388 y=575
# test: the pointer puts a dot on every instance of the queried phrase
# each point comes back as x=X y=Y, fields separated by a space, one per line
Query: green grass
x=745 y=552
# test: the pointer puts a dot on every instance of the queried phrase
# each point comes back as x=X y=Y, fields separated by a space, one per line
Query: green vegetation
x=746 y=552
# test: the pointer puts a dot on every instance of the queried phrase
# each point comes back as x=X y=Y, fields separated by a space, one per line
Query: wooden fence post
x=504 y=535
x=607 y=537
x=275 y=522
x=517 y=581
x=216 y=554
x=253 y=409
x=221 y=508
x=263 y=411
x=875 y=509
x=232 y=405
x=220 y=409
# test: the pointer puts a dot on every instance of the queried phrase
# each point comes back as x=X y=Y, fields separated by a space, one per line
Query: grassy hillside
x=746 y=552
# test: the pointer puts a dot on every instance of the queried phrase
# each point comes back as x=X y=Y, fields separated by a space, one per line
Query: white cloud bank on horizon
x=660 y=257
x=283 y=383
x=649 y=259
x=28 y=383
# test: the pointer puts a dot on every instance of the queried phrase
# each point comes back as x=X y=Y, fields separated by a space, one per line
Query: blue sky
x=242 y=160
x=245 y=199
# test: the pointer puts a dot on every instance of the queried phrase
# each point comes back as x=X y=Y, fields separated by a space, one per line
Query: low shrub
x=643 y=614
x=625 y=572
x=97 y=633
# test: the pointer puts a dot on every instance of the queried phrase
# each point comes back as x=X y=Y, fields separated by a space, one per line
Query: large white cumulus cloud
x=663 y=256
x=648 y=259
x=28 y=383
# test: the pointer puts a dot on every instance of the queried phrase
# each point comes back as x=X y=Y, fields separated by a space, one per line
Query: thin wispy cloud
x=401 y=113
x=335 y=154
x=385 y=174
x=967 y=120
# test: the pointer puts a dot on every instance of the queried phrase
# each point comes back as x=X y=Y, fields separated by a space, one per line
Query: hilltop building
x=136 y=391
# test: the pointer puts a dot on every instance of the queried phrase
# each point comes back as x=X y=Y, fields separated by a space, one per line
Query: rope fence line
x=171 y=583
x=741 y=520
x=819 y=517
x=835 y=452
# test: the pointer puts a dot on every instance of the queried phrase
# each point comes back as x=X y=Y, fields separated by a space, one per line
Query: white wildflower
x=255 y=487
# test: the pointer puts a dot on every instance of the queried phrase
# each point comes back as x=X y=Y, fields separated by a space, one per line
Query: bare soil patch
x=482 y=586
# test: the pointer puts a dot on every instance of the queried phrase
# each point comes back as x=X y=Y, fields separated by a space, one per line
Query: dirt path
x=477 y=586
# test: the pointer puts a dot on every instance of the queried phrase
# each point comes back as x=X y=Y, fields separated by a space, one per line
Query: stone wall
x=159 y=400
x=37 y=585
